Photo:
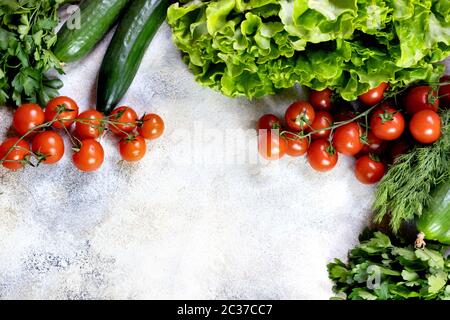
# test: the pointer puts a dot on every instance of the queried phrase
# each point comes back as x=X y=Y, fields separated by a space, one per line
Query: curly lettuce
x=254 y=48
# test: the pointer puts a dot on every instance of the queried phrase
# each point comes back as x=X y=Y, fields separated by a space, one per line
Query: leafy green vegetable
x=379 y=270
x=406 y=189
x=27 y=35
x=255 y=47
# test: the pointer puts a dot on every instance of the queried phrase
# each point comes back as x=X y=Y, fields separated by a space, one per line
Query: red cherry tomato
x=347 y=139
x=299 y=115
x=296 y=146
x=13 y=153
x=375 y=95
x=444 y=92
x=425 y=126
x=50 y=145
x=271 y=146
x=90 y=125
x=421 y=98
x=368 y=170
x=63 y=109
x=322 y=120
x=123 y=120
x=132 y=149
x=321 y=155
x=374 y=145
x=27 y=117
x=90 y=156
x=321 y=100
x=387 y=123
x=152 y=126
x=268 y=122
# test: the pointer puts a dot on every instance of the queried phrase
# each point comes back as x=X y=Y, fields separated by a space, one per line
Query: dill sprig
x=406 y=189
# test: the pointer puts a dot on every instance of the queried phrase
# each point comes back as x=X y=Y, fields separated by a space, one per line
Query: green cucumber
x=96 y=19
x=126 y=50
x=434 y=223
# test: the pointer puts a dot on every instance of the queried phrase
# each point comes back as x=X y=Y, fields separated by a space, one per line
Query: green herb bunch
x=379 y=270
x=27 y=35
x=405 y=191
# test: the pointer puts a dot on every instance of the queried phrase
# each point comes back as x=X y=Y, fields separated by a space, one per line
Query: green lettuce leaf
x=254 y=48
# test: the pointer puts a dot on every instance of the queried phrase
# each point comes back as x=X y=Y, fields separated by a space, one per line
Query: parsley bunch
x=27 y=35
x=379 y=270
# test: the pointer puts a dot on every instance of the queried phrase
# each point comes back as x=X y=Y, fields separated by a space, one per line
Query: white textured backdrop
x=170 y=228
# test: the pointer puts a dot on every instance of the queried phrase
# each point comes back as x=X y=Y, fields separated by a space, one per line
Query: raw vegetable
x=125 y=120
x=271 y=146
x=151 y=126
x=89 y=156
x=27 y=117
x=27 y=39
x=322 y=156
x=380 y=270
x=96 y=18
x=132 y=148
x=127 y=48
x=254 y=48
x=62 y=109
x=369 y=169
x=347 y=139
x=296 y=147
x=299 y=115
x=405 y=191
x=49 y=145
x=435 y=220
x=62 y=113
x=425 y=126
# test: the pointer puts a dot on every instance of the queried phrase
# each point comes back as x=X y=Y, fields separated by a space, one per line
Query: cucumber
x=127 y=48
x=434 y=224
x=96 y=18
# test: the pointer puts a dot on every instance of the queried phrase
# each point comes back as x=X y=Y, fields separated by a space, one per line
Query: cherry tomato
x=299 y=115
x=369 y=170
x=90 y=156
x=268 y=122
x=425 y=126
x=132 y=149
x=14 y=159
x=387 y=123
x=50 y=145
x=374 y=96
x=374 y=145
x=444 y=92
x=322 y=120
x=152 y=126
x=421 y=98
x=271 y=146
x=124 y=120
x=347 y=139
x=89 y=125
x=321 y=100
x=296 y=146
x=27 y=117
x=63 y=109
x=322 y=156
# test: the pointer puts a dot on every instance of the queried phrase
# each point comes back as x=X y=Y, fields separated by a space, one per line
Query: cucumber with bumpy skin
x=126 y=50
x=434 y=224
x=96 y=19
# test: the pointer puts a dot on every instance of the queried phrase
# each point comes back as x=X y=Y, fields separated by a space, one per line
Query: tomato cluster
x=43 y=127
x=374 y=130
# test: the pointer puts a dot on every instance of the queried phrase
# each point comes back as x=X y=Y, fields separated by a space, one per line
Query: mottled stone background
x=172 y=226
